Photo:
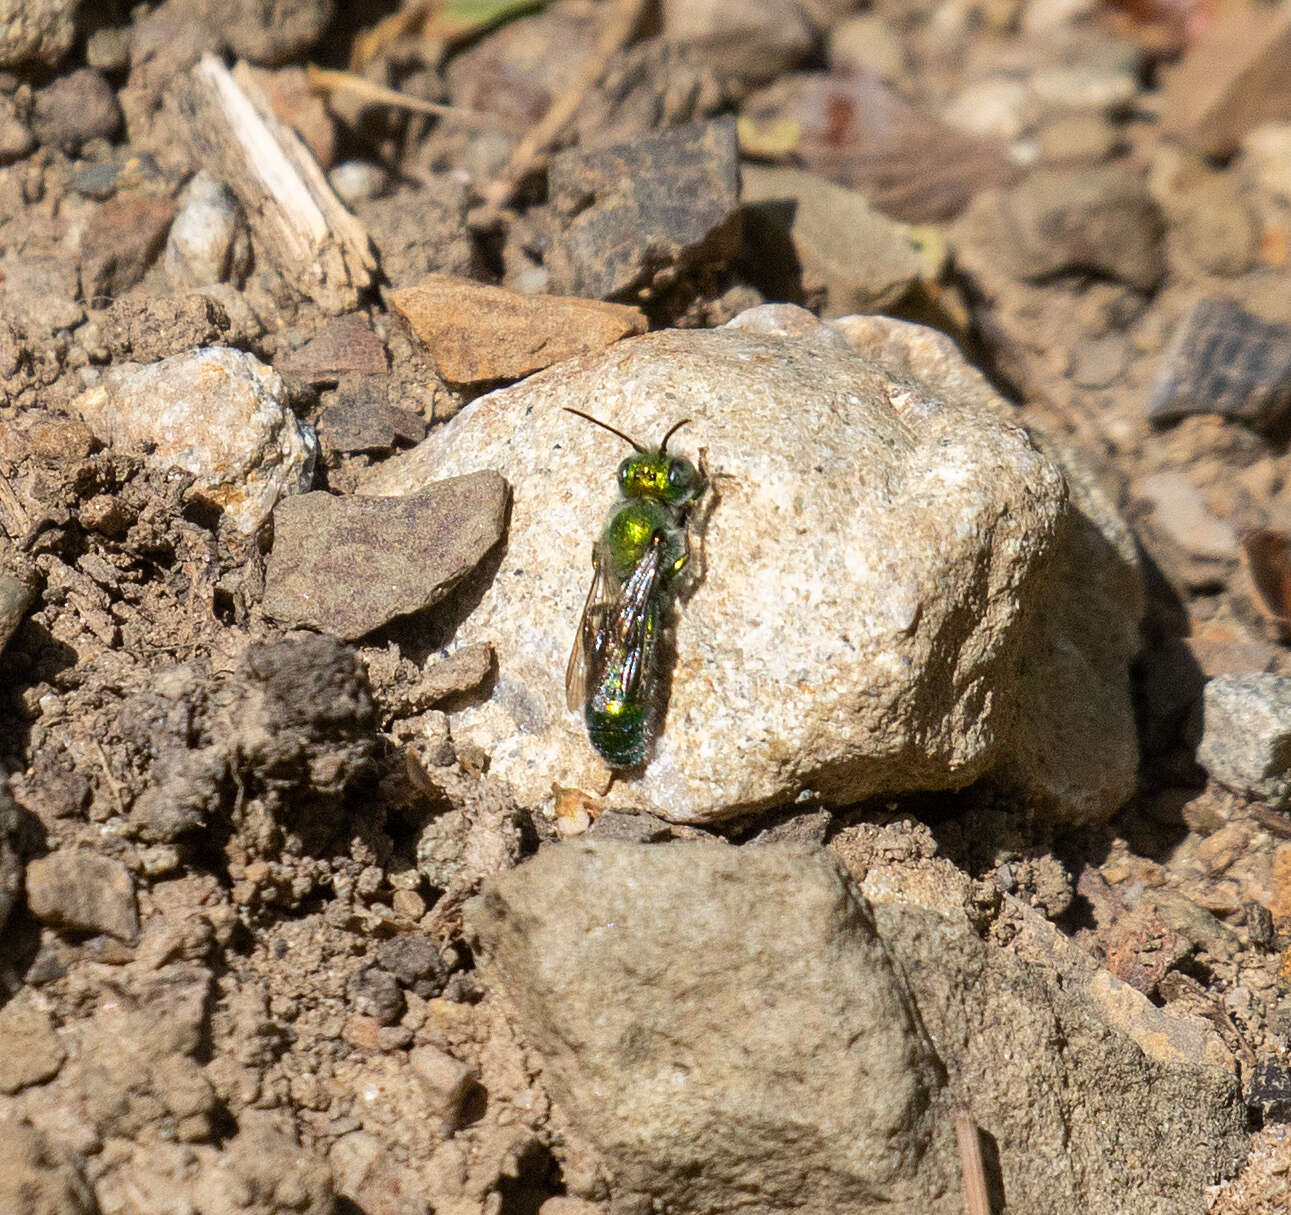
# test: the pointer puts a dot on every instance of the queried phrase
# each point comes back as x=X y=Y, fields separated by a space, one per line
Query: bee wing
x=632 y=623
x=585 y=639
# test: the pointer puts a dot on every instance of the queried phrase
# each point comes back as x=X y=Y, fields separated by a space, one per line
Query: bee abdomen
x=619 y=737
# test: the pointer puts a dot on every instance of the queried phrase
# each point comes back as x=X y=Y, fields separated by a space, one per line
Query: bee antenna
x=663 y=447
x=606 y=426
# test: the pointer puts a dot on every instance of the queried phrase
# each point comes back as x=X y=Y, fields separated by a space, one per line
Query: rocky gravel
x=959 y=860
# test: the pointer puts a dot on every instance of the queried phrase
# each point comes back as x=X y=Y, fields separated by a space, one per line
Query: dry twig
x=327 y=80
x=318 y=246
x=977 y=1199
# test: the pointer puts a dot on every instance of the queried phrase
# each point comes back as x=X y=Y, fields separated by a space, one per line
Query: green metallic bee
x=613 y=675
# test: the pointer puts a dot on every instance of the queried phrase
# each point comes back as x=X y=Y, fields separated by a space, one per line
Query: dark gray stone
x=643 y=214
x=414 y=962
x=1096 y=221
x=347 y=566
x=1225 y=361
x=376 y=993
x=74 y=109
x=371 y=426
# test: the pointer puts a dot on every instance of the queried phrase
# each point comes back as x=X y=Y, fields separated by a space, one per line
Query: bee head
x=652 y=472
x=657 y=475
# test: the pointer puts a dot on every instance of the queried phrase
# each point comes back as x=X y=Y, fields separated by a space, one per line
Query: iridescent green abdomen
x=618 y=711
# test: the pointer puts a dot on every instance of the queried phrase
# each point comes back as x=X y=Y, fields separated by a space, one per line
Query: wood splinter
x=297 y=220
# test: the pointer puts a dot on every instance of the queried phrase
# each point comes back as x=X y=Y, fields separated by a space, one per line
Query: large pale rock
x=873 y=558
x=724 y=1024
x=1076 y=744
x=218 y=413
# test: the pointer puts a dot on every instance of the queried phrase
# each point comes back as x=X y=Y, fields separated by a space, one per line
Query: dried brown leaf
x=858 y=132
x=1266 y=556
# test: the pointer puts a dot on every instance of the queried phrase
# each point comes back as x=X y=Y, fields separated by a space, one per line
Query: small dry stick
x=976 y=1199
x=328 y=80
x=532 y=149
x=113 y=787
x=296 y=218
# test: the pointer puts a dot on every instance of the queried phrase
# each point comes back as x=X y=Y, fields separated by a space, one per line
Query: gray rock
x=1225 y=361
x=1246 y=735
x=375 y=993
x=347 y=566
x=627 y=227
x=1100 y=221
x=830 y=644
x=415 y=963
x=10 y=860
x=218 y=413
x=1095 y=1099
x=84 y=892
x=199 y=247
x=759 y=1054
x=863 y=260
x=36 y=30
x=73 y=109
x=723 y=1023
x=1076 y=744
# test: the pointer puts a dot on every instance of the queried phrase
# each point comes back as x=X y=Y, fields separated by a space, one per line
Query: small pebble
x=408 y=904
x=356 y=181
x=1181 y=513
x=199 y=248
x=84 y=892
x=74 y=109
x=1246 y=735
x=375 y=993
x=447 y=1082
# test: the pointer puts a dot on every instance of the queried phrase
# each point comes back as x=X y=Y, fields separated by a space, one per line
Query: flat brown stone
x=346 y=346
x=346 y=566
x=477 y=333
